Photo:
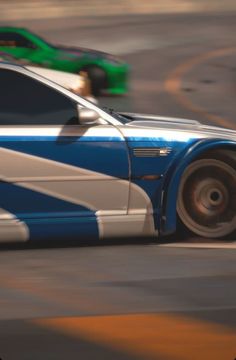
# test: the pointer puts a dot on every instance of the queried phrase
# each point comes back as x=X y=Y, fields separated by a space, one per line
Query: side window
x=25 y=101
x=13 y=39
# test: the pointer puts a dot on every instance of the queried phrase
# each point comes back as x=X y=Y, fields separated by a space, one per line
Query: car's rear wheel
x=97 y=79
x=206 y=202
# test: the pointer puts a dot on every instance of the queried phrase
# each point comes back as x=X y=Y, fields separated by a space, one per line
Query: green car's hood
x=80 y=51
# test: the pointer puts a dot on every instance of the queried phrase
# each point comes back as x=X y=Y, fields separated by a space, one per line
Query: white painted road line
x=231 y=245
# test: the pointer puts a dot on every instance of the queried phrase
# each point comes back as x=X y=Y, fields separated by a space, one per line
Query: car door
x=57 y=177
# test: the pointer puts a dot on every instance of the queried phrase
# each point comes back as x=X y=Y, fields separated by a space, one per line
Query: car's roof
x=12 y=28
x=9 y=63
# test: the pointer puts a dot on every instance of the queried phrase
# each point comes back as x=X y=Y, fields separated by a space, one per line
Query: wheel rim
x=207 y=197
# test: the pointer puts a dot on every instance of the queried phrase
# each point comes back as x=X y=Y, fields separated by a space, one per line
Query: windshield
x=43 y=40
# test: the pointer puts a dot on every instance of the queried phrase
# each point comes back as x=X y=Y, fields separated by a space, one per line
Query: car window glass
x=26 y=101
x=13 y=39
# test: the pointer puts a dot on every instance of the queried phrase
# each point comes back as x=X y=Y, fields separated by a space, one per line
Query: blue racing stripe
x=66 y=228
x=46 y=216
x=61 y=138
x=108 y=158
x=28 y=204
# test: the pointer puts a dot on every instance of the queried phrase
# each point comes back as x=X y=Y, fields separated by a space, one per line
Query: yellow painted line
x=174 y=81
x=151 y=336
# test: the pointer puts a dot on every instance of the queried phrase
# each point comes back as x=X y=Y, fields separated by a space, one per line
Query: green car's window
x=11 y=39
x=26 y=101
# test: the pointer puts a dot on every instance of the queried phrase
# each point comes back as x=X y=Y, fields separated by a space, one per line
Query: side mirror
x=88 y=116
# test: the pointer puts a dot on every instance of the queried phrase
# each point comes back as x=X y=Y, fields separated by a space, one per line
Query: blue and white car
x=70 y=169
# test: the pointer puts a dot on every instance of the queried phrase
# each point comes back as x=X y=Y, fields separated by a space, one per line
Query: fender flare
x=173 y=176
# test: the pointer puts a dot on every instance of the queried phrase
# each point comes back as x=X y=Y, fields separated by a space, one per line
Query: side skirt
x=103 y=227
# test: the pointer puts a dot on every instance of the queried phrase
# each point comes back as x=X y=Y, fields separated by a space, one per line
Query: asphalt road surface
x=139 y=299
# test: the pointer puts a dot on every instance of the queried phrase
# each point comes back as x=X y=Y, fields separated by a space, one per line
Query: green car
x=108 y=74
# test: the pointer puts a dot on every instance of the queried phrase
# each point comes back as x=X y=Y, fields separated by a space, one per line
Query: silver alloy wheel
x=207 y=198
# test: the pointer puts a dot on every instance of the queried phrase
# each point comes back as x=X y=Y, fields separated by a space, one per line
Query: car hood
x=80 y=51
x=177 y=125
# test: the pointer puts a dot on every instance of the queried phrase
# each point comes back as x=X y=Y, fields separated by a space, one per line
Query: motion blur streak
x=154 y=336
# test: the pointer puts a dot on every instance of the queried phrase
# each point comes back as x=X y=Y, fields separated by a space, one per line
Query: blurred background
x=170 y=45
x=135 y=301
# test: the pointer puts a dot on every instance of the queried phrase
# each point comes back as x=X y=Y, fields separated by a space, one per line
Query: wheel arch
x=173 y=176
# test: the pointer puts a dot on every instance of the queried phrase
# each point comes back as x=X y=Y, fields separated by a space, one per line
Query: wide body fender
x=172 y=178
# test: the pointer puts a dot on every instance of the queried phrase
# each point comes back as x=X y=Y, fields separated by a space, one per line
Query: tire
x=97 y=79
x=206 y=202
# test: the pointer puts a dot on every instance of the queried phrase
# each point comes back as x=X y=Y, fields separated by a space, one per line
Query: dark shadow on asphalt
x=80 y=243
x=50 y=243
